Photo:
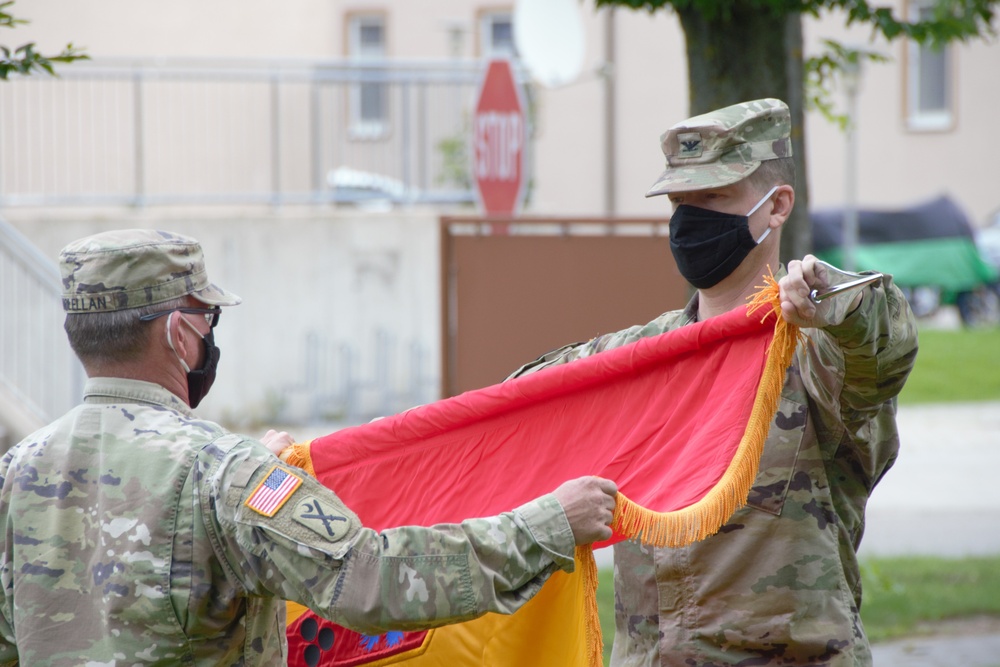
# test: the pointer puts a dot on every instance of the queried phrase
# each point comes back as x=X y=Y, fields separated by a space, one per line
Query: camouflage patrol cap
x=131 y=268
x=722 y=147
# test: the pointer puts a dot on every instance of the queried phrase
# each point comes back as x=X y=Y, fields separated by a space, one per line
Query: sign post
x=499 y=138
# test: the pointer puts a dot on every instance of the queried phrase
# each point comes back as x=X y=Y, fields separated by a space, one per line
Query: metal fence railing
x=341 y=382
x=193 y=131
x=40 y=377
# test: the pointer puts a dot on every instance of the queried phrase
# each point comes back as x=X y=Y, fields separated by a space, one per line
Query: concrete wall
x=319 y=288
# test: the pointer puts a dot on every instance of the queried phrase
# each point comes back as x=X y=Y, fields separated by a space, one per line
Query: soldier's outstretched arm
x=315 y=551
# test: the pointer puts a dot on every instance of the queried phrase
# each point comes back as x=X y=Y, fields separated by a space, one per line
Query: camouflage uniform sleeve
x=873 y=350
x=315 y=551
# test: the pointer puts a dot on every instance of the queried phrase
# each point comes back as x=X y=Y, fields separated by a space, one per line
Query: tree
x=24 y=59
x=741 y=50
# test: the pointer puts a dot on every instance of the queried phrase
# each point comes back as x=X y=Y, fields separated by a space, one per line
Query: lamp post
x=851 y=79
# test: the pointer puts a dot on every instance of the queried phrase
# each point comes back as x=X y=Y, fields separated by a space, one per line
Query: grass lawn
x=955 y=366
x=904 y=592
x=900 y=594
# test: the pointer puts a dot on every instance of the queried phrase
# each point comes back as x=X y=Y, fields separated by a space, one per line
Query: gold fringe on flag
x=711 y=512
x=705 y=517
x=588 y=571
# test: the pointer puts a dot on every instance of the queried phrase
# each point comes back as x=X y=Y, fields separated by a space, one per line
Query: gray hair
x=113 y=336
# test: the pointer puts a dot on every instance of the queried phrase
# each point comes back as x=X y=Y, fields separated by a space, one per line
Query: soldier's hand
x=589 y=503
x=797 y=308
x=276 y=441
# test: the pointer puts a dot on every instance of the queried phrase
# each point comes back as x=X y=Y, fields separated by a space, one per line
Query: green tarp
x=931 y=244
x=952 y=264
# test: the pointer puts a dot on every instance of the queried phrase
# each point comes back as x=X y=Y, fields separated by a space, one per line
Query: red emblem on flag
x=271 y=494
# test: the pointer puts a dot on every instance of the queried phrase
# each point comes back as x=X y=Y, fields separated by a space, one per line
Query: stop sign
x=498 y=140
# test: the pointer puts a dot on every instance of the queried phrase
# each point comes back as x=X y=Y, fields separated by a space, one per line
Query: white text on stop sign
x=498 y=144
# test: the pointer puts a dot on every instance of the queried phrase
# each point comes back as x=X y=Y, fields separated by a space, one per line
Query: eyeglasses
x=211 y=314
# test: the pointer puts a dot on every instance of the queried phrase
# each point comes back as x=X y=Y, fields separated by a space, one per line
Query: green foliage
x=836 y=63
x=955 y=366
x=25 y=59
x=713 y=10
x=455 y=168
x=951 y=20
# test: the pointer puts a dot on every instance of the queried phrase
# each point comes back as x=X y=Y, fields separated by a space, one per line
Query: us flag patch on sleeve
x=271 y=494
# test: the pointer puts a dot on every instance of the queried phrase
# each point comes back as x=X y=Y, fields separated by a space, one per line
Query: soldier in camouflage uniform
x=779 y=583
x=136 y=533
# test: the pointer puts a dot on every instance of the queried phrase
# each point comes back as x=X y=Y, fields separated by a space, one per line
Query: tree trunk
x=750 y=54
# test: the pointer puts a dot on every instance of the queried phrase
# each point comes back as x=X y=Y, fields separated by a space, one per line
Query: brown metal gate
x=513 y=290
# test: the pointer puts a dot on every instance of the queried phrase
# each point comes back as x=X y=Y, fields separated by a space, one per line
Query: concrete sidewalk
x=941 y=498
x=950 y=646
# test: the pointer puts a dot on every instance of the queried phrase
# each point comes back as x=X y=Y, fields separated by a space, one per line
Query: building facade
x=315 y=142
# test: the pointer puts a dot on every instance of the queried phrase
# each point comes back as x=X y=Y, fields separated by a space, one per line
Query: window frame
x=360 y=127
x=917 y=118
x=485 y=17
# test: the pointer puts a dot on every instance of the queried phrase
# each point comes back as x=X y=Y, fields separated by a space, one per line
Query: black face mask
x=200 y=380
x=707 y=245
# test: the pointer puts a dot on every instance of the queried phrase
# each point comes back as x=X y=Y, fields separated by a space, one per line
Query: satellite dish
x=549 y=39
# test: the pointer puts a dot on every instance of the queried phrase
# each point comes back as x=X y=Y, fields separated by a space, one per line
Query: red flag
x=676 y=420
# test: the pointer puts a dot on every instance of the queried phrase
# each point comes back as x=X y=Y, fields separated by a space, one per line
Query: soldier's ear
x=178 y=337
x=784 y=201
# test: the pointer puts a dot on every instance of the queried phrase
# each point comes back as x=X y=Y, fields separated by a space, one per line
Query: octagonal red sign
x=499 y=135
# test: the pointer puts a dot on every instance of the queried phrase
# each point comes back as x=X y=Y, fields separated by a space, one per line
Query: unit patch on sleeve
x=273 y=492
x=320 y=518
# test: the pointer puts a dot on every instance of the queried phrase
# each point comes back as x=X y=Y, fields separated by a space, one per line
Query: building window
x=496 y=34
x=369 y=99
x=929 y=98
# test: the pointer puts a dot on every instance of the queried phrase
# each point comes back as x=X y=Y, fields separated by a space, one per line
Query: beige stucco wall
x=897 y=166
x=224 y=28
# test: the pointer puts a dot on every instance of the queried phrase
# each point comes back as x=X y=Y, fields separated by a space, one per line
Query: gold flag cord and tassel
x=298 y=455
x=711 y=512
